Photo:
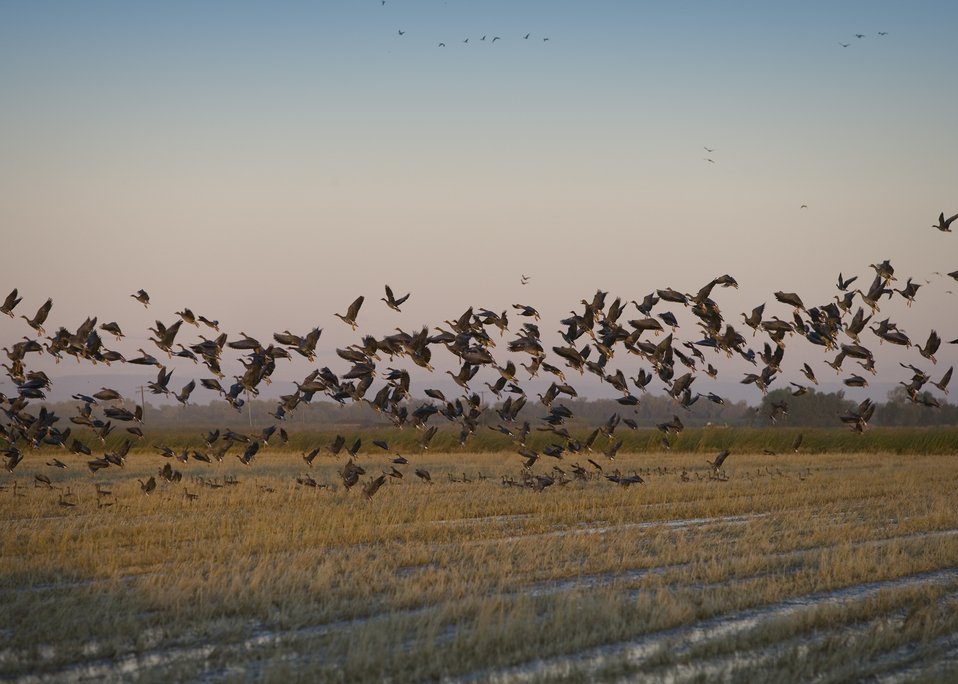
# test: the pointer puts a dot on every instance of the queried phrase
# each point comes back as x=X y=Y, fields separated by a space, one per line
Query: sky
x=266 y=163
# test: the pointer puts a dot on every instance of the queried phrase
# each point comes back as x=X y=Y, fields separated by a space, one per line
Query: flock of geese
x=597 y=336
x=859 y=36
x=486 y=38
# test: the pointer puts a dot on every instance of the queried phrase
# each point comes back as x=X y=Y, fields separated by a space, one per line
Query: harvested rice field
x=772 y=568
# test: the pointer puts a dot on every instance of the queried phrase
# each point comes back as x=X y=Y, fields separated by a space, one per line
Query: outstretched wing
x=354 y=308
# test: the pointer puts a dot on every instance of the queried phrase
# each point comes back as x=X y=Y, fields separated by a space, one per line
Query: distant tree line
x=820 y=409
x=814 y=409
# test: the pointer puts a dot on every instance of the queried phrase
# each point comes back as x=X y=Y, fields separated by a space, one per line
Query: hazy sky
x=265 y=163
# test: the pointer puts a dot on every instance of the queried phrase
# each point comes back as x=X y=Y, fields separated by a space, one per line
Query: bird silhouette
x=10 y=303
x=391 y=301
x=930 y=347
x=352 y=312
x=717 y=462
x=142 y=297
x=944 y=225
x=843 y=284
x=39 y=317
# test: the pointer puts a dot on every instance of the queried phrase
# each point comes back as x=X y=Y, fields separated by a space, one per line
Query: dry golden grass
x=268 y=579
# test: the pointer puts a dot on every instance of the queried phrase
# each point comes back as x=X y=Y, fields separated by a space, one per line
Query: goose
x=944 y=224
x=931 y=346
x=10 y=303
x=41 y=315
x=352 y=312
x=142 y=297
x=391 y=301
x=941 y=384
x=843 y=284
x=371 y=487
x=717 y=462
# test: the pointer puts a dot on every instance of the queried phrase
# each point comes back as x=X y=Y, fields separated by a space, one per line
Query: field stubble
x=792 y=567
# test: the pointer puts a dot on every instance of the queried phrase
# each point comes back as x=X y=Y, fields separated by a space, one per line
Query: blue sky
x=286 y=157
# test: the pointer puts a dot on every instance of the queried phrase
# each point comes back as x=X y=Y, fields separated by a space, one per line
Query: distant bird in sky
x=142 y=297
x=843 y=284
x=931 y=346
x=41 y=315
x=442 y=45
x=844 y=44
x=883 y=33
x=859 y=35
x=391 y=301
x=495 y=38
x=10 y=303
x=352 y=312
x=526 y=37
x=544 y=39
x=944 y=225
x=187 y=316
x=710 y=161
x=941 y=384
x=524 y=280
x=804 y=206
x=401 y=32
x=525 y=310
x=708 y=149
x=483 y=38
x=466 y=40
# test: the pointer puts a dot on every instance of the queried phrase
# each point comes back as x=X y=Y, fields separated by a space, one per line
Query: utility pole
x=142 y=404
